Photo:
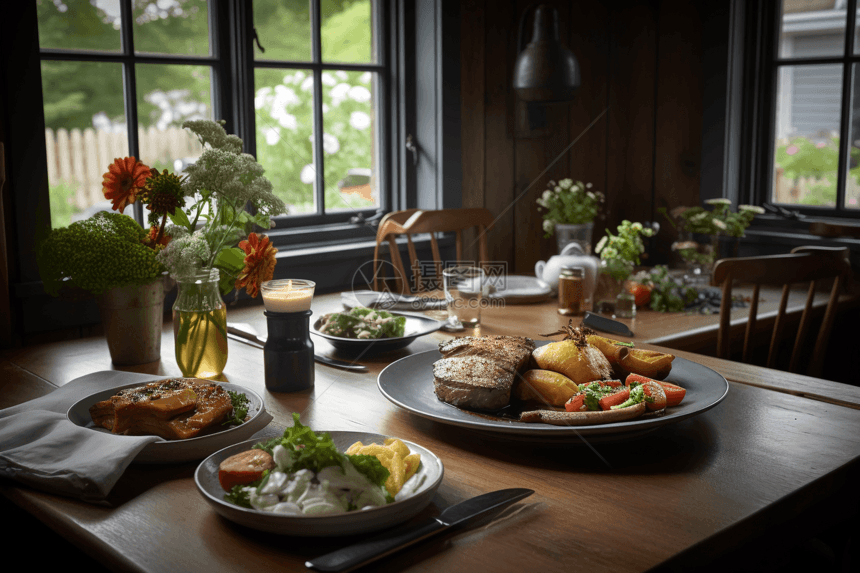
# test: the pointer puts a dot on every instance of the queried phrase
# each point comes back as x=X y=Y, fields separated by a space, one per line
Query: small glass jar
x=571 y=290
x=200 y=325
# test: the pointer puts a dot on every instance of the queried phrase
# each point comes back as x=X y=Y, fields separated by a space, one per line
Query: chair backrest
x=413 y=222
x=802 y=265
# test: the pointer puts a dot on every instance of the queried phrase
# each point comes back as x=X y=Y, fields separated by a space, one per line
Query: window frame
x=761 y=72
x=382 y=28
x=129 y=60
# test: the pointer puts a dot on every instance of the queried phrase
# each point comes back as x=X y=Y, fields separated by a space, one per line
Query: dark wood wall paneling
x=640 y=59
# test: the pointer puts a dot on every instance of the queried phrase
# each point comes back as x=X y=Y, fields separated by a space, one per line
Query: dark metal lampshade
x=545 y=70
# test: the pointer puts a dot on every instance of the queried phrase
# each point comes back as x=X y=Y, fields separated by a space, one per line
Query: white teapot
x=571 y=255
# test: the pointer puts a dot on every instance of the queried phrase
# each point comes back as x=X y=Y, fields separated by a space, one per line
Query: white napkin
x=41 y=447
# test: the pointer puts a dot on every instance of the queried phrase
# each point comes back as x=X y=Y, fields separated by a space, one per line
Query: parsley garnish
x=240 y=408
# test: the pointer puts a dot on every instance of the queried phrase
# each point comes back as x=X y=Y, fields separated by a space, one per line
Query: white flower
x=328 y=79
x=591 y=195
x=636 y=226
x=753 y=208
x=718 y=224
x=588 y=185
x=718 y=201
x=330 y=143
x=212 y=133
x=341 y=75
x=309 y=174
x=364 y=78
x=546 y=195
x=565 y=183
x=359 y=120
x=558 y=189
x=288 y=121
x=273 y=135
x=261 y=97
x=359 y=93
x=339 y=93
x=307 y=84
x=601 y=244
x=548 y=226
x=185 y=255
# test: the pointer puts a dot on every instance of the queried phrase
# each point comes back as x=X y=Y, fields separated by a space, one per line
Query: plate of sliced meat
x=193 y=417
x=471 y=382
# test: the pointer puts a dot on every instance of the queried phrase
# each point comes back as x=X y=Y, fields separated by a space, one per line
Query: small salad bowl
x=416 y=326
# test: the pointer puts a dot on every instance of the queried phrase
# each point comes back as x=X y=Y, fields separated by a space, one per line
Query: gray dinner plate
x=425 y=483
x=180 y=451
x=415 y=326
x=408 y=383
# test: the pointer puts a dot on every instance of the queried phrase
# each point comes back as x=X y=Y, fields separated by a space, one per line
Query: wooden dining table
x=774 y=464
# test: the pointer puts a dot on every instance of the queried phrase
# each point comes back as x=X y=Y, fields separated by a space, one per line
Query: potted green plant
x=619 y=254
x=704 y=236
x=111 y=257
x=569 y=210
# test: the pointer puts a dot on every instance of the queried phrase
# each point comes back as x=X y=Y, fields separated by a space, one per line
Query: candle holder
x=288 y=354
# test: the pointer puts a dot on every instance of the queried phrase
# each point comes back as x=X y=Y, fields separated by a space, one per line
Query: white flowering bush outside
x=284 y=114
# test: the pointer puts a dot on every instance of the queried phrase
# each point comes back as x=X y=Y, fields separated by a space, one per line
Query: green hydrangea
x=97 y=254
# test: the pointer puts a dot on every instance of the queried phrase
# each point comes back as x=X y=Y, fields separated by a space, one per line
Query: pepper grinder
x=288 y=354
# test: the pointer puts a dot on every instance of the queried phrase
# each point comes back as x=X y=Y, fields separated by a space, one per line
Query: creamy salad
x=363 y=323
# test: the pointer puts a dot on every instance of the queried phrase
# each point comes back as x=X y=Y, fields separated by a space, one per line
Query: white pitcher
x=571 y=255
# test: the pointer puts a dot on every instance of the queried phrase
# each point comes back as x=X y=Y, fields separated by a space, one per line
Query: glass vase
x=697 y=253
x=616 y=299
x=200 y=325
x=570 y=233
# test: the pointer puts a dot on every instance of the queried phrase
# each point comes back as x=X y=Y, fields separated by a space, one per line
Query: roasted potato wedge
x=625 y=360
x=545 y=386
x=580 y=363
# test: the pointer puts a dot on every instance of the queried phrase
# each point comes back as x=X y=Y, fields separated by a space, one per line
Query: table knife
x=387 y=543
x=598 y=322
x=258 y=342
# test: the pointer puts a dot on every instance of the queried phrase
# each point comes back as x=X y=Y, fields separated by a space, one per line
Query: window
x=319 y=92
x=120 y=76
x=118 y=79
x=810 y=103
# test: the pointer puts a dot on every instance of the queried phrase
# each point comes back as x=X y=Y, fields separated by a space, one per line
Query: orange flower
x=125 y=177
x=259 y=263
x=149 y=241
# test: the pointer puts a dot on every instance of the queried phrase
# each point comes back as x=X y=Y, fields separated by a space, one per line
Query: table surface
x=762 y=465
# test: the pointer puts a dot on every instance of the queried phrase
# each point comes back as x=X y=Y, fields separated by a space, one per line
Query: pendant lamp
x=546 y=70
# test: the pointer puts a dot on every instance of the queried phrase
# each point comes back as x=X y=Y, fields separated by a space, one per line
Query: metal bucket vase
x=132 y=317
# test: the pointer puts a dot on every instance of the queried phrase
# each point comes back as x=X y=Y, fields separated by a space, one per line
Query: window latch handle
x=410 y=145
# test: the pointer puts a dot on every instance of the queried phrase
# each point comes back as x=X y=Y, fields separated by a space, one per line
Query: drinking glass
x=464 y=293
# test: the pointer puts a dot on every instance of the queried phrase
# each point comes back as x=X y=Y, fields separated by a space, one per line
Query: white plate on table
x=518 y=289
x=428 y=478
x=408 y=383
x=180 y=451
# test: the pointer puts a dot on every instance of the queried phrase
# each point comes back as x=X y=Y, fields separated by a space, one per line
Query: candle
x=287 y=295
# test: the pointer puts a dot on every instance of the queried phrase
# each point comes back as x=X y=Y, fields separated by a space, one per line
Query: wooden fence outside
x=80 y=158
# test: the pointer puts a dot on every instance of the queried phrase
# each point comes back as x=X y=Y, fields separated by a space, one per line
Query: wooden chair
x=803 y=264
x=413 y=222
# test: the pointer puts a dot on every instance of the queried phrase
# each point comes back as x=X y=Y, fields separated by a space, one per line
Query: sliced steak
x=512 y=351
x=475 y=382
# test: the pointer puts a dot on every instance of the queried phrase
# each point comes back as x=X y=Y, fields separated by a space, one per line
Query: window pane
x=347 y=32
x=172 y=27
x=349 y=141
x=167 y=96
x=284 y=115
x=79 y=25
x=852 y=181
x=806 y=158
x=85 y=132
x=812 y=28
x=283 y=29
